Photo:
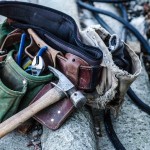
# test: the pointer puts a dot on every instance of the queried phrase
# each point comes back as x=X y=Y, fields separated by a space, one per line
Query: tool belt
x=98 y=63
x=74 y=67
x=60 y=32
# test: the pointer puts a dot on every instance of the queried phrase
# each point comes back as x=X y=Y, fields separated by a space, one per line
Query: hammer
x=63 y=88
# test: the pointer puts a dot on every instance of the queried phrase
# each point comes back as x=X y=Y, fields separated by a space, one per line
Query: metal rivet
x=24 y=81
x=9 y=57
x=93 y=37
x=59 y=111
x=52 y=120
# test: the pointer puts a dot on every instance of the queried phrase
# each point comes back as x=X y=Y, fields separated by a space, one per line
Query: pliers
x=38 y=64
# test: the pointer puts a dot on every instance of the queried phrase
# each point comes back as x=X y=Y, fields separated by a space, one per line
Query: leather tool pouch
x=55 y=115
x=75 y=68
x=83 y=75
x=60 y=32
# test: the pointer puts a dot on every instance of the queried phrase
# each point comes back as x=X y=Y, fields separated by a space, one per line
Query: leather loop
x=12 y=38
x=50 y=51
x=78 y=71
x=70 y=65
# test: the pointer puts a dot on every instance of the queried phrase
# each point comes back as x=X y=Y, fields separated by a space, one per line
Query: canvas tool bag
x=18 y=86
x=120 y=67
x=98 y=63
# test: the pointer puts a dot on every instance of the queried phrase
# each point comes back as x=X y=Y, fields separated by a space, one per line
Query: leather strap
x=83 y=75
x=75 y=68
x=56 y=28
x=78 y=71
x=50 y=51
x=12 y=38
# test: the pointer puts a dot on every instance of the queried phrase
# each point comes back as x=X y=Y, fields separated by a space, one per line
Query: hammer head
x=66 y=86
x=64 y=83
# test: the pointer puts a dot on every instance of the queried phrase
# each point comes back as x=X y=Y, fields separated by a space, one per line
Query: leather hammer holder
x=55 y=115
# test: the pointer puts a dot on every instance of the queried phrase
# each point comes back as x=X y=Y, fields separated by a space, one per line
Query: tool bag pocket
x=75 y=68
x=12 y=88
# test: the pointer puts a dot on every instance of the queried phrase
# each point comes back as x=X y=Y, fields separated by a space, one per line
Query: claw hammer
x=63 y=88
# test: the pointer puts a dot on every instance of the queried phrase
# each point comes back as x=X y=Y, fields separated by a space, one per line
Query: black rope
x=125 y=23
x=138 y=101
x=112 y=1
x=110 y=131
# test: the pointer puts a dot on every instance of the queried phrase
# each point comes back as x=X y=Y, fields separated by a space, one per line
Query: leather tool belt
x=80 y=62
x=74 y=67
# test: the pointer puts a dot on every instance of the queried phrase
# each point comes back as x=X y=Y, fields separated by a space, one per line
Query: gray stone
x=132 y=124
x=114 y=24
x=139 y=24
x=15 y=141
x=75 y=134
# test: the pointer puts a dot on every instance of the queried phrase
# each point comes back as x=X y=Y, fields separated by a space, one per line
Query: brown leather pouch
x=55 y=115
x=11 y=39
x=82 y=75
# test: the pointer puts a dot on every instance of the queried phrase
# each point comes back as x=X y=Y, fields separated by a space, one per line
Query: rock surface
x=15 y=141
x=133 y=125
x=75 y=134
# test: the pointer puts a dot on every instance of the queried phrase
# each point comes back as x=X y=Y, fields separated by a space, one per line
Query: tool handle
x=21 y=48
x=13 y=122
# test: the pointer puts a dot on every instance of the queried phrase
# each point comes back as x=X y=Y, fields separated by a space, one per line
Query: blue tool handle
x=21 y=49
x=41 y=51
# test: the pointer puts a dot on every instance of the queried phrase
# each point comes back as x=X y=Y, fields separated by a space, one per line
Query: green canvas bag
x=17 y=87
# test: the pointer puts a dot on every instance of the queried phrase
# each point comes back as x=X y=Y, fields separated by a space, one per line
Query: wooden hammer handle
x=13 y=122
